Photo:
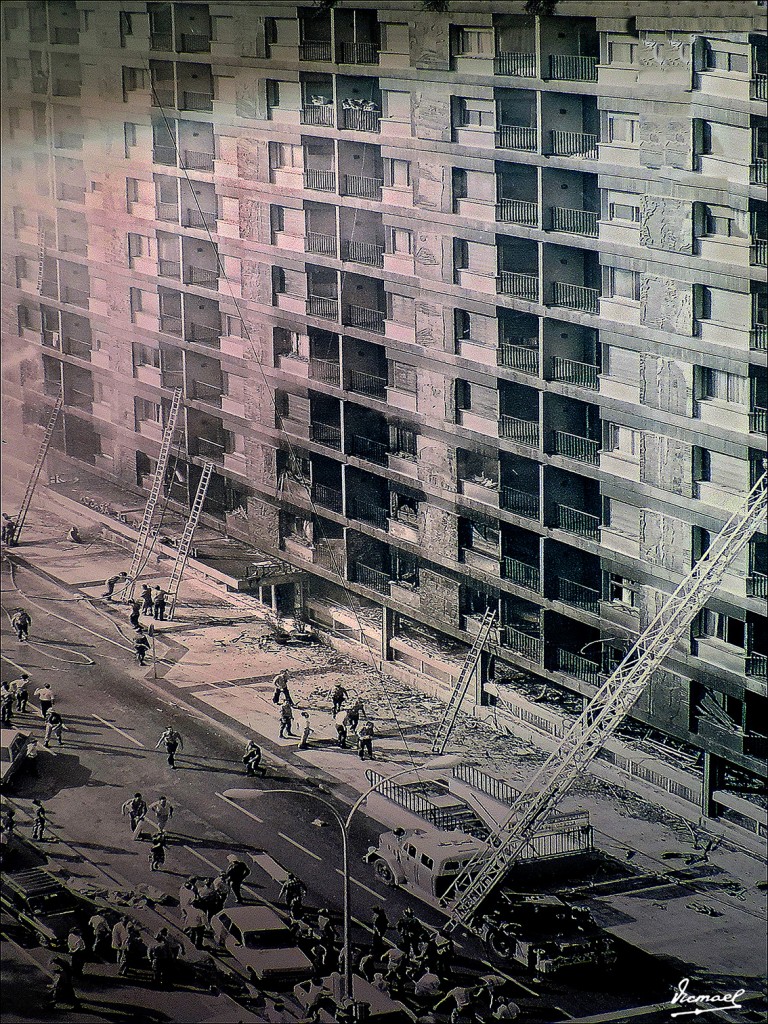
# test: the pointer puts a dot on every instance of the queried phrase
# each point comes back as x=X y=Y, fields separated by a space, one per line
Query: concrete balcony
x=510 y=136
x=474 y=282
x=574 y=520
x=362 y=187
x=399 y=263
x=368 y=449
x=718 y=654
x=522 y=503
x=100 y=357
x=404 y=594
x=619 y=465
x=516 y=211
x=527 y=646
x=486 y=494
x=198 y=101
x=359 y=53
x=233 y=406
x=516 y=65
x=317 y=242
x=402 y=528
x=758 y=171
x=483 y=561
x=580 y=145
x=404 y=400
x=619 y=542
x=519 y=286
x=575 y=222
x=570 y=592
x=295 y=365
x=524 y=358
x=151 y=429
x=326 y=434
x=577 y=666
x=581 y=375
x=758 y=252
x=574 y=296
x=570 y=68
x=232 y=346
x=726 y=415
x=368 y=512
x=316 y=50
x=574 y=446
x=521 y=573
x=523 y=432
x=480 y=424
x=404 y=464
x=623 y=391
x=718 y=497
x=318 y=179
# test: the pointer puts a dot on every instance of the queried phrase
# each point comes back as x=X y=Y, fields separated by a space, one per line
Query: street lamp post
x=438 y=762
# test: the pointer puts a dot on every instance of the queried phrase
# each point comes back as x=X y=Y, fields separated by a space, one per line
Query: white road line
x=270 y=866
x=515 y=981
x=237 y=807
x=354 y=881
x=125 y=734
x=203 y=859
x=21 y=669
x=299 y=846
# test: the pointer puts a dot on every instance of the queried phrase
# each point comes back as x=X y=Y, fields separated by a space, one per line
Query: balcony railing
x=74 y=296
x=316 y=49
x=368 y=512
x=203 y=391
x=530 y=647
x=517 y=211
x=758 y=171
x=578 y=666
x=758 y=87
x=168 y=211
x=196 y=161
x=758 y=421
x=524 y=358
x=576 y=296
x=201 y=277
x=520 y=65
x=575 y=222
x=195 y=42
x=524 y=575
x=359 y=53
x=170 y=323
x=568 y=68
x=366 y=319
x=574 y=144
x=323 y=115
x=202 y=334
x=576 y=593
x=328 y=497
x=320 y=306
x=574 y=446
x=197 y=101
x=513 y=136
x=520 y=286
x=165 y=155
x=569 y=371
x=320 y=180
x=163 y=95
x=374 y=579
x=368 y=253
x=573 y=520
x=758 y=337
x=355 y=120
x=757 y=584
x=366 y=448
x=363 y=187
x=525 y=432
x=327 y=434
x=209 y=449
x=161 y=41
x=198 y=219
x=757 y=665
x=522 y=503
x=315 y=241
x=758 y=252
x=169 y=268
x=367 y=384
x=325 y=370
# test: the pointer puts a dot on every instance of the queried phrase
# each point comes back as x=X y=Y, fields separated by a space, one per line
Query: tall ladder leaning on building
x=604 y=713
x=40 y=254
x=34 y=476
x=186 y=538
x=154 y=495
x=459 y=692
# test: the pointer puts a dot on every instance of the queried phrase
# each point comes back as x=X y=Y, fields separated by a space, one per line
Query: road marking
x=515 y=981
x=125 y=734
x=299 y=846
x=203 y=859
x=21 y=669
x=354 y=881
x=27 y=956
x=270 y=866
x=237 y=807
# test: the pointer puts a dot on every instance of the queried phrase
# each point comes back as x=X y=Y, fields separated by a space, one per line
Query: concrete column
x=388 y=627
x=713 y=779
x=481 y=674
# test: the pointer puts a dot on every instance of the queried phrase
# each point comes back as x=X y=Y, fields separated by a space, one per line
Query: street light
x=446 y=761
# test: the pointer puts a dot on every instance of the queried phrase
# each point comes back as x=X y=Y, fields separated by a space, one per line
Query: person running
x=20 y=688
x=39 y=821
x=46 y=697
x=292 y=890
x=280 y=683
x=141 y=647
x=112 y=582
x=365 y=741
x=136 y=809
x=286 y=720
x=31 y=758
x=172 y=742
x=235 y=873
x=338 y=697
x=353 y=714
x=121 y=940
x=21 y=622
x=6 y=704
x=341 y=729
x=157 y=852
x=53 y=727
x=305 y=730
x=252 y=759
x=163 y=812
x=101 y=933
x=158 y=604
x=133 y=618
x=147 y=603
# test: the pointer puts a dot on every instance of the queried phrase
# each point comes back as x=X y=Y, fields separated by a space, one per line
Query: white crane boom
x=605 y=711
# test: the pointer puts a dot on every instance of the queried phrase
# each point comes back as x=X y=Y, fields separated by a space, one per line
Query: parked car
x=259 y=940
x=13 y=752
x=43 y=903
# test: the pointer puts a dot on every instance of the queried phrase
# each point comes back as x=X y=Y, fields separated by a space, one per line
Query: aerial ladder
x=37 y=468
x=40 y=254
x=186 y=538
x=447 y=722
x=603 y=714
x=154 y=495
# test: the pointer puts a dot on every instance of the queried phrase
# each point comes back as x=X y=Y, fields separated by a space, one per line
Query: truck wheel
x=384 y=873
x=500 y=945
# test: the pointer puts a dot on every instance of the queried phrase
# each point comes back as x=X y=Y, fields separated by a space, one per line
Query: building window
x=621 y=364
x=131 y=191
x=135 y=245
x=626 y=212
x=718 y=626
x=130 y=136
x=622 y=591
x=147 y=411
x=622 y=284
x=135 y=294
x=396 y=105
x=134 y=79
x=475 y=113
x=475 y=42
x=622 y=53
x=285 y=154
x=143 y=355
x=717 y=221
x=623 y=128
x=402 y=442
x=623 y=440
x=723 y=386
x=717 y=58
x=397 y=173
x=399 y=241
x=273 y=93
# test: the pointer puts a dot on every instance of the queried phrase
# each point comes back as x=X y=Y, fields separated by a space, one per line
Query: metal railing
x=574 y=144
x=368 y=512
x=320 y=180
x=202 y=334
x=320 y=306
x=367 y=448
x=531 y=647
x=201 y=277
x=328 y=497
x=170 y=323
x=195 y=42
x=520 y=286
x=758 y=252
x=524 y=575
x=525 y=432
x=169 y=268
x=574 y=446
x=570 y=371
x=196 y=161
x=161 y=40
x=575 y=593
x=758 y=337
x=758 y=171
x=325 y=370
x=513 y=136
x=758 y=87
x=198 y=219
x=327 y=434
x=197 y=100
x=321 y=114
x=366 y=319
x=316 y=49
x=210 y=449
x=757 y=584
x=522 y=503
x=359 y=53
x=168 y=211
x=370 y=254
x=578 y=666
x=315 y=241
x=363 y=187
x=757 y=665
x=74 y=296
x=565 y=67
x=758 y=420
x=402 y=442
x=355 y=120
x=367 y=384
x=521 y=65
x=576 y=296
x=165 y=155
x=519 y=357
x=575 y=222
x=475 y=777
x=375 y=579
x=517 y=211
x=575 y=521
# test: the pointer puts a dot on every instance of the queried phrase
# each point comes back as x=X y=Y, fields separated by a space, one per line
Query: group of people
x=346 y=720
x=14 y=697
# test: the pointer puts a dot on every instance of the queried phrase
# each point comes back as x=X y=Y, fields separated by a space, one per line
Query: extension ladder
x=451 y=712
x=186 y=538
x=40 y=257
x=36 y=469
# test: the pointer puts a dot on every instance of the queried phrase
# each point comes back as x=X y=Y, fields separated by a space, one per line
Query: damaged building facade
x=468 y=311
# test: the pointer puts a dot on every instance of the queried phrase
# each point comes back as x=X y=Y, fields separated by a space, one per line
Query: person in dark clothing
x=147 y=603
x=172 y=742
x=21 y=622
x=136 y=809
x=380 y=926
x=159 y=604
x=365 y=741
x=141 y=647
x=8 y=530
x=252 y=759
x=20 y=687
x=235 y=873
x=157 y=851
x=286 y=720
x=6 y=704
x=133 y=618
x=338 y=697
x=112 y=582
x=280 y=683
x=292 y=890
x=74 y=535
x=62 y=989
x=353 y=714
x=39 y=822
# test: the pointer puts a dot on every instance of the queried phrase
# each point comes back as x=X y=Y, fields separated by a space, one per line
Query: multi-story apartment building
x=467 y=307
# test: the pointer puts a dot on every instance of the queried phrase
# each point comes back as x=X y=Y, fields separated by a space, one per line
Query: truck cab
x=425 y=862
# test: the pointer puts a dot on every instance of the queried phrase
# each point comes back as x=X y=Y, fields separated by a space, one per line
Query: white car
x=258 y=939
